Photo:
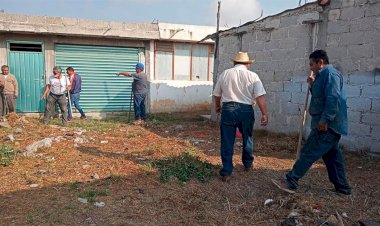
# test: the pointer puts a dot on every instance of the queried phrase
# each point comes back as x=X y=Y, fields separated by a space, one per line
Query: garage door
x=102 y=90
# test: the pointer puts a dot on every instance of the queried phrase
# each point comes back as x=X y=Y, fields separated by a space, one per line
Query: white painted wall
x=179 y=96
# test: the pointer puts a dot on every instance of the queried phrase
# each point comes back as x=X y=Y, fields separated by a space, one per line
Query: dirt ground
x=109 y=162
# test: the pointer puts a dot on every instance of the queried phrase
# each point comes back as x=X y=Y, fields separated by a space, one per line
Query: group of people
x=238 y=89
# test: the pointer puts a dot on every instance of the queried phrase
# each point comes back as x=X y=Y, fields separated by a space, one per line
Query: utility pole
x=216 y=63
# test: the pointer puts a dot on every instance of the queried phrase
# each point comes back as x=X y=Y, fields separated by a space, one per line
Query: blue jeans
x=241 y=116
x=75 y=101
x=139 y=106
x=321 y=144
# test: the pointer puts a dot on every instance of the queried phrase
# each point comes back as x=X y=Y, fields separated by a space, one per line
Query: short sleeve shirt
x=139 y=85
x=238 y=84
x=58 y=86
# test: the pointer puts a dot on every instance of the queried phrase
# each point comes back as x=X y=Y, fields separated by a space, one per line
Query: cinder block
x=334 y=14
x=263 y=56
x=376 y=52
x=346 y=65
x=266 y=75
x=353 y=90
x=282 y=97
x=358 y=129
x=22 y=27
x=304 y=42
x=116 y=25
x=360 y=51
x=289 y=108
x=272 y=23
x=37 y=19
x=305 y=87
x=70 y=21
x=274 y=87
x=337 y=27
x=292 y=87
x=335 y=39
x=352 y=38
x=298 y=53
x=92 y=25
x=289 y=43
x=53 y=20
x=377 y=23
x=362 y=24
x=354 y=116
x=263 y=36
x=352 y=13
x=371 y=91
x=308 y=17
x=336 y=4
x=256 y=46
x=371 y=118
x=298 y=98
x=375 y=105
x=279 y=54
x=362 y=78
x=272 y=45
x=373 y=10
x=372 y=37
x=359 y=104
x=377 y=75
x=375 y=129
x=348 y=3
x=300 y=31
x=287 y=21
x=336 y=52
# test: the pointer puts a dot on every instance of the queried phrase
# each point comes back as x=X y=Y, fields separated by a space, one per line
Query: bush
x=7 y=155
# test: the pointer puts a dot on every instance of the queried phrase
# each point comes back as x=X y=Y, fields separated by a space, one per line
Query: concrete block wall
x=349 y=31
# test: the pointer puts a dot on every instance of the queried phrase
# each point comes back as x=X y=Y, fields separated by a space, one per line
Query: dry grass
x=129 y=182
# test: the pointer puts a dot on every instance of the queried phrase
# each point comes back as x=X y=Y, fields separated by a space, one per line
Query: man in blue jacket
x=76 y=88
x=328 y=110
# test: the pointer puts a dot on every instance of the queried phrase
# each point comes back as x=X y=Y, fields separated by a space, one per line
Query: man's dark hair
x=70 y=69
x=318 y=55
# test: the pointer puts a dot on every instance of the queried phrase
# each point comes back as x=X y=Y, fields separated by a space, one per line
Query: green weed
x=7 y=155
x=184 y=168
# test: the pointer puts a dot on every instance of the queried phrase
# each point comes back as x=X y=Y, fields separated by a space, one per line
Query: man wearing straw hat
x=235 y=93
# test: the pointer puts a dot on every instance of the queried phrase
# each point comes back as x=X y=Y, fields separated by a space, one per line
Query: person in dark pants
x=139 y=89
x=57 y=85
x=8 y=91
x=238 y=89
x=328 y=110
x=76 y=88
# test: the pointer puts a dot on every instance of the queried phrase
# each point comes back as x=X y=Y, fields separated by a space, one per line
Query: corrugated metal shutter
x=102 y=90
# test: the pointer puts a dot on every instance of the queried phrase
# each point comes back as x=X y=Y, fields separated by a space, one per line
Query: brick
x=373 y=10
x=362 y=78
x=334 y=39
x=362 y=24
x=274 y=86
x=336 y=27
x=334 y=14
x=359 y=104
x=352 y=38
x=354 y=116
x=287 y=21
x=290 y=108
x=370 y=118
x=375 y=105
x=352 y=13
x=353 y=91
x=301 y=31
x=358 y=51
x=348 y=3
x=371 y=91
x=358 y=129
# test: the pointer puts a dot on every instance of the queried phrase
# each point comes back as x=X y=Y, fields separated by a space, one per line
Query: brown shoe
x=281 y=184
x=225 y=178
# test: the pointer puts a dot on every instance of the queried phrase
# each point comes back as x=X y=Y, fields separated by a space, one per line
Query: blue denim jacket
x=328 y=101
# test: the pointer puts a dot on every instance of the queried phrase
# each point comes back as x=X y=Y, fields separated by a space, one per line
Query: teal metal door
x=26 y=63
x=102 y=90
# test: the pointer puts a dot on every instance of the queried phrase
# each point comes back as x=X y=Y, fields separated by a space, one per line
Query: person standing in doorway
x=57 y=85
x=76 y=88
x=236 y=91
x=328 y=110
x=9 y=91
x=139 y=90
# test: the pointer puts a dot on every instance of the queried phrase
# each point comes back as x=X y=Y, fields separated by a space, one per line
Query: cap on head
x=140 y=66
x=242 y=57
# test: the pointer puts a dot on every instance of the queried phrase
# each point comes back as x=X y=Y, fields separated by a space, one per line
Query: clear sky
x=199 y=12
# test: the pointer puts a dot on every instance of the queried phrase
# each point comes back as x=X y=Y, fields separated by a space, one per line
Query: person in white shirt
x=58 y=85
x=236 y=91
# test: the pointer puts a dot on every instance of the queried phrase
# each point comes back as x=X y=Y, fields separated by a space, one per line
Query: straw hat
x=242 y=57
